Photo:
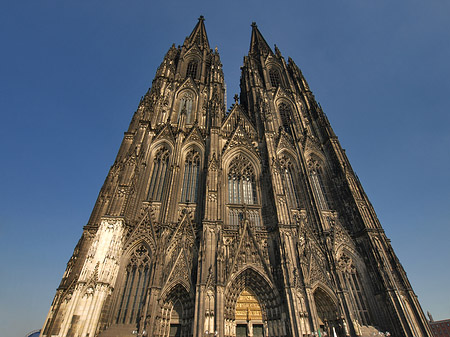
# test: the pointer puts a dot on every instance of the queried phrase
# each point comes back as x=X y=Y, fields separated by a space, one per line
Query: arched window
x=190 y=179
x=288 y=173
x=192 y=69
x=241 y=182
x=318 y=184
x=132 y=291
x=274 y=77
x=186 y=107
x=285 y=115
x=354 y=286
x=159 y=174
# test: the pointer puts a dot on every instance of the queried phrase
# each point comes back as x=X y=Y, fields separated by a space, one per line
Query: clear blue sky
x=72 y=73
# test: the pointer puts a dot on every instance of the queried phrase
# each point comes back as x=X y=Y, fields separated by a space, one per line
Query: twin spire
x=258 y=45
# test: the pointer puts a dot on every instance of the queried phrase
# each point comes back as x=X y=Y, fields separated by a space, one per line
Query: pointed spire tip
x=254 y=24
x=201 y=18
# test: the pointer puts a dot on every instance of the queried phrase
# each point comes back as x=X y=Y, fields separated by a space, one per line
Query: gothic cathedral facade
x=246 y=222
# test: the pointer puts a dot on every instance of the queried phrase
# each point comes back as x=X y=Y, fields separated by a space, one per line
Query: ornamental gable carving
x=247 y=251
x=285 y=142
x=237 y=117
x=194 y=135
x=166 y=134
x=145 y=232
x=188 y=83
x=240 y=138
x=281 y=93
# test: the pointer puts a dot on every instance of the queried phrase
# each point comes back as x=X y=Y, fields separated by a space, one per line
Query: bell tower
x=246 y=222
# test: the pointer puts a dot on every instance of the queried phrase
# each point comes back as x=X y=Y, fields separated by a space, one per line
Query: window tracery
x=274 y=77
x=132 y=292
x=318 y=184
x=354 y=286
x=186 y=107
x=192 y=69
x=241 y=182
x=191 y=177
x=288 y=173
x=285 y=116
x=159 y=174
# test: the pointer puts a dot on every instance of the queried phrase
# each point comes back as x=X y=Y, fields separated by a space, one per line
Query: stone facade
x=247 y=222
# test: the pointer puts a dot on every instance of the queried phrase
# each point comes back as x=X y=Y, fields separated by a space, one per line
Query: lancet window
x=192 y=69
x=352 y=280
x=318 y=184
x=285 y=116
x=185 y=107
x=235 y=215
x=254 y=218
x=159 y=174
x=191 y=177
x=241 y=182
x=274 y=77
x=132 y=292
x=290 y=188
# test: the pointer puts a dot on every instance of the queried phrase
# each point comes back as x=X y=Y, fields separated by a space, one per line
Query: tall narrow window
x=132 y=292
x=274 y=77
x=241 y=182
x=186 y=107
x=354 y=286
x=288 y=173
x=159 y=174
x=253 y=217
x=192 y=69
x=285 y=115
x=235 y=215
x=318 y=184
x=190 y=179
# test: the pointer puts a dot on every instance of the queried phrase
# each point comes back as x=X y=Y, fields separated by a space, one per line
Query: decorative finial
x=236 y=99
x=254 y=24
x=201 y=18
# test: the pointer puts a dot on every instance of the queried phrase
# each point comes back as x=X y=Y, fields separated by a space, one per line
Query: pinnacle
x=198 y=35
x=258 y=45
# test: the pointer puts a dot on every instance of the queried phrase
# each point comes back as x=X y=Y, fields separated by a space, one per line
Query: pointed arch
x=251 y=280
x=275 y=76
x=176 y=312
x=241 y=181
x=134 y=280
x=286 y=116
x=289 y=174
x=160 y=172
x=319 y=182
x=191 y=173
x=242 y=190
x=350 y=270
x=192 y=68
x=186 y=103
x=260 y=285
x=327 y=309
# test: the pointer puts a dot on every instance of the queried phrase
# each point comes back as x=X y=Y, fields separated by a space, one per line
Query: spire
x=258 y=46
x=198 y=35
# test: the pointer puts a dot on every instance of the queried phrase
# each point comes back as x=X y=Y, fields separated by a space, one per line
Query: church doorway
x=248 y=315
x=175 y=326
x=327 y=314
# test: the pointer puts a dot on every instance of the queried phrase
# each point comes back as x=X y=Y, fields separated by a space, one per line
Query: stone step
x=370 y=331
x=119 y=330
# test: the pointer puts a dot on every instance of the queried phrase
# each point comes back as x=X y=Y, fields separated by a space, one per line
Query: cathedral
x=247 y=221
